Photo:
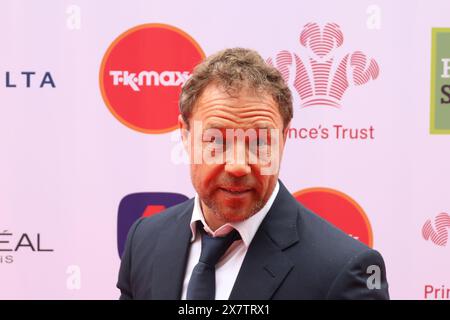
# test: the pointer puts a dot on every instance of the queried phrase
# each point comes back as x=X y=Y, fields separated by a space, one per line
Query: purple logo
x=144 y=204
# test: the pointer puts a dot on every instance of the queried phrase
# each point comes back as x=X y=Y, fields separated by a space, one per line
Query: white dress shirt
x=229 y=265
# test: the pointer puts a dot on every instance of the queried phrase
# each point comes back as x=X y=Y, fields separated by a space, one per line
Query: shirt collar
x=247 y=228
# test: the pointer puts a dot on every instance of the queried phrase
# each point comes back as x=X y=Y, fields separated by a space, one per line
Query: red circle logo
x=142 y=73
x=340 y=210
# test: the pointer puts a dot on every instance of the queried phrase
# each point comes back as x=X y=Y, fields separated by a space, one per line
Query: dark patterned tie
x=202 y=285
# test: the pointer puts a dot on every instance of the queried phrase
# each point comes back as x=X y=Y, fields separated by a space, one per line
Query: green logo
x=440 y=81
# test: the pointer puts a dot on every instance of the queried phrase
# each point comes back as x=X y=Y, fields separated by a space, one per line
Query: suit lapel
x=171 y=257
x=264 y=268
x=265 y=265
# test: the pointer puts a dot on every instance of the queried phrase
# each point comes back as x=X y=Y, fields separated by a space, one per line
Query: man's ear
x=286 y=131
x=184 y=131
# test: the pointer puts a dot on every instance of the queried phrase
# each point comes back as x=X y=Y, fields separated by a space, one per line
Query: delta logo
x=340 y=210
x=142 y=73
x=316 y=74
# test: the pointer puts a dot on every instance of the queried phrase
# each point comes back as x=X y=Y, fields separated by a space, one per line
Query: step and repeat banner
x=89 y=141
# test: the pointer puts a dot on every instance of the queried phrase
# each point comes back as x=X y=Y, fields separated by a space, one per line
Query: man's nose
x=237 y=169
x=237 y=164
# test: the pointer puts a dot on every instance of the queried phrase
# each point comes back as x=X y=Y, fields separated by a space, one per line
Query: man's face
x=233 y=187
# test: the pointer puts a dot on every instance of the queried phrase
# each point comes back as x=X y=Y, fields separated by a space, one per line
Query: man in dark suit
x=243 y=236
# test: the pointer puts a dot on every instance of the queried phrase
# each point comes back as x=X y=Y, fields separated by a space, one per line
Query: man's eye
x=218 y=141
x=262 y=142
x=212 y=140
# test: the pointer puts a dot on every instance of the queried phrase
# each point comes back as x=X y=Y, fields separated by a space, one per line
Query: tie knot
x=213 y=248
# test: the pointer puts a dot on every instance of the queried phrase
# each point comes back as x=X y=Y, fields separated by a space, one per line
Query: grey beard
x=212 y=205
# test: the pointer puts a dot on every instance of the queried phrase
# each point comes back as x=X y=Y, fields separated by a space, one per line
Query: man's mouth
x=236 y=190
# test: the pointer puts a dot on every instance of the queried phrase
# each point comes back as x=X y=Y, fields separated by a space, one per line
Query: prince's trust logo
x=320 y=78
x=314 y=79
x=439 y=233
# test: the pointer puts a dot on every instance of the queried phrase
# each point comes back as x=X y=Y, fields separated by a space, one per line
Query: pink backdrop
x=66 y=162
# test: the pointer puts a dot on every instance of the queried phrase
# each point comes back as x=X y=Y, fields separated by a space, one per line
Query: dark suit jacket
x=295 y=254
